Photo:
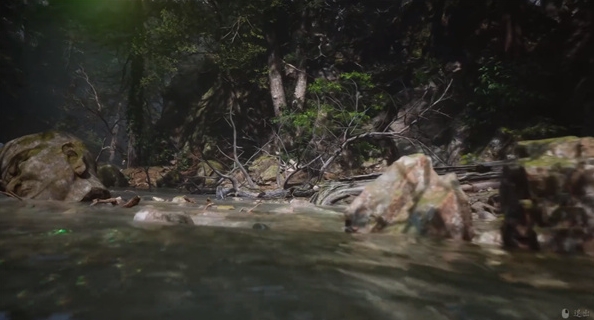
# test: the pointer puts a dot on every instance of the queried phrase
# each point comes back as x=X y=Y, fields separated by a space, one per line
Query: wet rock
x=111 y=176
x=492 y=238
x=548 y=196
x=301 y=203
x=410 y=196
x=178 y=199
x=50 y=166
x=205 y=173
x=260 y=226
x=151 y=214
x=483 y=211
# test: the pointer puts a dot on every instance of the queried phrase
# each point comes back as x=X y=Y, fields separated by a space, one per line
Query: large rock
x=548 y=196
x=264 y=169
x=111 y=176
x=150 y=214
x=50 y=166
x=410 y=196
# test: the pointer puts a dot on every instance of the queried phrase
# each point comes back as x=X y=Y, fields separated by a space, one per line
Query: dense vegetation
x=318 y=82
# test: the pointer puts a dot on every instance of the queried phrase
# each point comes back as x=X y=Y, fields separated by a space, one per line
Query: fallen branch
x=258 y=203
x=113 y=201
x=11 y=194
x=234 y=181
x=190 y=200
x=133 y=202
x=235 y=157
x=478 y=186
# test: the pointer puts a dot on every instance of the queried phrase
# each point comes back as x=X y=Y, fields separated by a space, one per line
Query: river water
x=71 y=261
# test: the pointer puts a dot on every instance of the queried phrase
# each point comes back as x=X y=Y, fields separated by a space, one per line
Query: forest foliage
x=301 y=78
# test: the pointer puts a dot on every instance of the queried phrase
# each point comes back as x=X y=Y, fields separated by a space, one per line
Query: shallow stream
x=71 y=261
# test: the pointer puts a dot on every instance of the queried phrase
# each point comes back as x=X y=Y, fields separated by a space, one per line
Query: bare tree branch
x=241 y=167
x=346 y=142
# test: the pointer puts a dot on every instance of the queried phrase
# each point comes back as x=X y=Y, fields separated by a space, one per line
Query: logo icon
x=565 y=313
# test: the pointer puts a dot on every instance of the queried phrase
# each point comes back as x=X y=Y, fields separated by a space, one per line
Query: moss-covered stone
x=546 y=161
x=205 y=170
x=111 y=176
x=50 y=165
x=559 y=147
x=264 y=169
x=171 y=179
x=270 y=173
x=545 y=197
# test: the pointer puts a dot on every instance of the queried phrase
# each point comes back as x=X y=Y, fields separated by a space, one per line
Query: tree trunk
x=114 y=137
x=132 y=155
x=434 y=46
x=135 y=111
x=301 y=85
x=513 y=43
x=277 y=90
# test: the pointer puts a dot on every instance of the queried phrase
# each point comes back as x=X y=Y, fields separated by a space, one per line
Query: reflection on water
x=64 y=261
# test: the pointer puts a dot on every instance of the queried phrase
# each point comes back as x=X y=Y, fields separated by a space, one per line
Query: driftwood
x=11 y=194
x=113 y=201
x=339 y=194
x=481 y=185
x=481 y=171
x=132 y=202
x=472 y=177
x=222 y=193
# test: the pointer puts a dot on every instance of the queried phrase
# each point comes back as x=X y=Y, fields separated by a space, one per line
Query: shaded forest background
x=311 y=81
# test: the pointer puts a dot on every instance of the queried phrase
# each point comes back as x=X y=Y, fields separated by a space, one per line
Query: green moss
x=204 y=169
x=547 y=161
x=536 y=148
x=432 y=199
x=44 y=136
x=270 y=173
x=171 y=179
x=263 y=160
x=526 y=204
x=547 y=141
x=468 y=158
x=110 y=176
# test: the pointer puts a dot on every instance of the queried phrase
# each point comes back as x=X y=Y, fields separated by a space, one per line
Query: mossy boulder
x=111 y=176
x=170 y=179
x=564 y=147
x=50 y=166
x=206 y=174
x=548 y=196
x=205 y=170
x=264 y=169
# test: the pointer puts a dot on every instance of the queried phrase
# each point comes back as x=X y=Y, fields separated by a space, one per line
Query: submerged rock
x=409 y=196
x=151 y=214
x=260 y=226
x=50 y=166
x=548 y=196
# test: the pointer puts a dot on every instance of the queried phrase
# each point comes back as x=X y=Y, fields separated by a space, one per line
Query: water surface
x=71 y=261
